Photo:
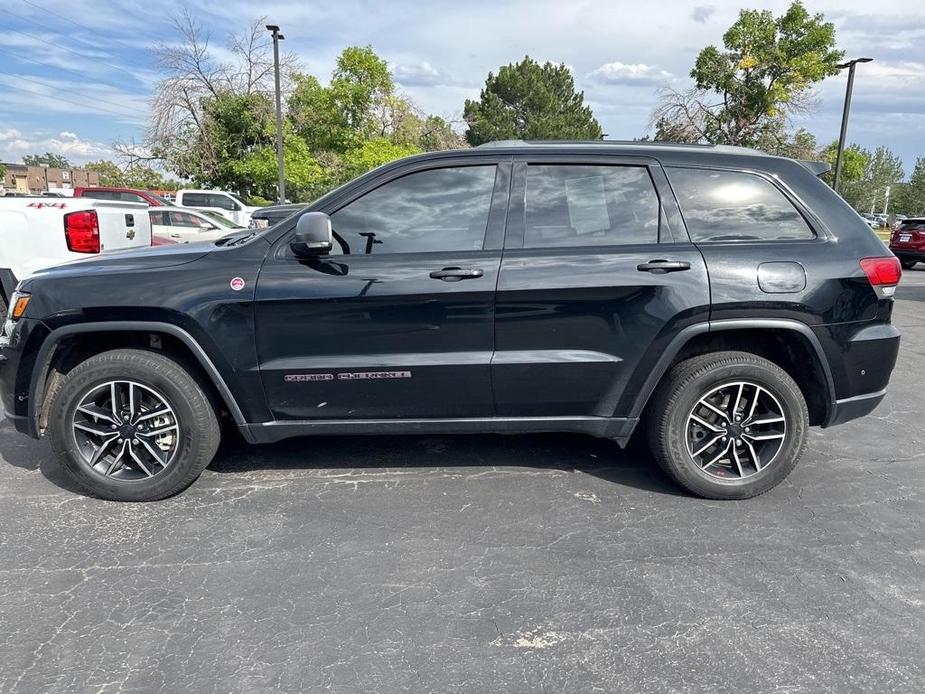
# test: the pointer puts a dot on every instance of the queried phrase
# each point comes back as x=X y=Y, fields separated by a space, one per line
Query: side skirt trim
x=615 y=428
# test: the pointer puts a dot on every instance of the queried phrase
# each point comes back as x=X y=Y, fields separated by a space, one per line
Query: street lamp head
x=852 y=62
x=272 y=27
x=280 y=37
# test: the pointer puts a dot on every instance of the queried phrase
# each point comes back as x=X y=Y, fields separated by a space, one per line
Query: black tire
x=198 y=428
x=908 y=264
x=678 y=394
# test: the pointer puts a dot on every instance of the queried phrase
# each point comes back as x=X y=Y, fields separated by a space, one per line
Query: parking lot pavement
x=478 y=564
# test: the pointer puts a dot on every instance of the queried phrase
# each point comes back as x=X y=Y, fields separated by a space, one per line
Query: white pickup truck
x=39 y=232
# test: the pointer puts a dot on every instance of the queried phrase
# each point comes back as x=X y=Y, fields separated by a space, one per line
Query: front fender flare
x=43 y=361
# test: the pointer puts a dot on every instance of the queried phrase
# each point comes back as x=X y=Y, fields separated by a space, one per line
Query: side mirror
x=313 y=235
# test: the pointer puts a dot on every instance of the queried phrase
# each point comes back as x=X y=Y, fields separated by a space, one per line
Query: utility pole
x=277 y=37
x=844 y=116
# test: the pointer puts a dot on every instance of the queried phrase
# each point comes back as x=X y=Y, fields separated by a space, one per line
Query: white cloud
x=417 y=74
x=628 y=74
x=702 y=13
x=14 y=144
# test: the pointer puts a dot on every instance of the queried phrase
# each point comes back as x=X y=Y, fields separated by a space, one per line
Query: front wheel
x=908 y=264
x=132 y=425
x=728 y=425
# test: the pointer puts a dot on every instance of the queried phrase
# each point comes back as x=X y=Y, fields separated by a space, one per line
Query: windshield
x=913 y=225
x=220 y=220
x=164 y=201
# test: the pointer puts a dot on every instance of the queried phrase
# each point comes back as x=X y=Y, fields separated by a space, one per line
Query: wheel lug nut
x=113 y=427
x=134 y=442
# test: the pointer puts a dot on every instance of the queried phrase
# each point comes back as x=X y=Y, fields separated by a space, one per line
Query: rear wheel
x=728 y=425
x=908 y=264
x=132 y=425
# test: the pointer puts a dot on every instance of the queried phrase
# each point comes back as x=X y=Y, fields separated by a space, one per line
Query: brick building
x=20 y=178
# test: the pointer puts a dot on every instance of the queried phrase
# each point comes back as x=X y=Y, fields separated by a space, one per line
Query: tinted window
x=913 y=225
x=185 y=219
x=437 y=210
x=590 y=206
x=196 y=200
x=159 y=217
x=732 y=206
x=100 y=194
x=223 y=202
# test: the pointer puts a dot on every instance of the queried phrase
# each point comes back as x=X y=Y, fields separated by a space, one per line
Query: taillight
x=82 y=231
x=883 y=274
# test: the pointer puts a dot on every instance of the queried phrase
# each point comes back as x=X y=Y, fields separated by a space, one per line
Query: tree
x=109 y=173
x=910 y=197
x=179 y=134
x=884 y=170
x=132 y=176
x=744 y=94
x=52 y=161
x=854 y=163
x=530 y=101
x=2 y=173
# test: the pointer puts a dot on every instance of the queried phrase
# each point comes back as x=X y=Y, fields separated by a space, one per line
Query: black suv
x=727 y=299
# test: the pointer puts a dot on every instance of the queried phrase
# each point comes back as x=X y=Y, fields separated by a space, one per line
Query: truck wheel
x=728 y=425
x=132 y=425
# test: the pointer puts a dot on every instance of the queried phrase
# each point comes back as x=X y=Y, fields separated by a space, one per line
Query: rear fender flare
x=685 y=335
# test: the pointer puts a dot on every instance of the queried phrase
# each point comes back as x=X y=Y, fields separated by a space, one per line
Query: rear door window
x=735 y=206
x=913 y=225
x=589 y=205
x=196 y=200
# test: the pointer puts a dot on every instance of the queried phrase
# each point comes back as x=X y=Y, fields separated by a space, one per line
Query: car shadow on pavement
x=27 y=453
x=632 y=466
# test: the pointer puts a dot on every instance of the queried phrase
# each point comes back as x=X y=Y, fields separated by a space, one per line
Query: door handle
x=663 y=266
x=455 y=274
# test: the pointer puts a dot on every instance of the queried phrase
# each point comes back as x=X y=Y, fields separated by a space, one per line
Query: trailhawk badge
x=237 y=283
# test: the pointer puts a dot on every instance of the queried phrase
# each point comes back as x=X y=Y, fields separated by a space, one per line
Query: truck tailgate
x=120 y=228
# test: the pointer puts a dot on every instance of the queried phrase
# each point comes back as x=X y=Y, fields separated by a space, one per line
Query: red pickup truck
x=123 y=194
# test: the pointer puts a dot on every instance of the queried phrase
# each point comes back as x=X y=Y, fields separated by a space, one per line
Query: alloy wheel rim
x=736 y=430
x=125 y=431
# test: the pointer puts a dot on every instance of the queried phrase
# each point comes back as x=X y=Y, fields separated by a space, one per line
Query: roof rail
x=637 y=143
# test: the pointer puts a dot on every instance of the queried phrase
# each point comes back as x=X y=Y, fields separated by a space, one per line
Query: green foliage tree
x=910 y=197
x=854 y=163
x=133 y=176
x=744 y=93
x=527 y=100
x=214 y=122
x=884 y=170
x=2 y=171
x=109 y=173
x=49 y=159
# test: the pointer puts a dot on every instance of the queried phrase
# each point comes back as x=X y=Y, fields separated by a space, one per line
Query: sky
x=76 y=76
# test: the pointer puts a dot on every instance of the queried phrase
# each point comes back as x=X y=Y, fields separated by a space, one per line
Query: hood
x=131 y=259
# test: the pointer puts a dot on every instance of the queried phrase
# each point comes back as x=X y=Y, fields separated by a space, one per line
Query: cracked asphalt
x=478 y=564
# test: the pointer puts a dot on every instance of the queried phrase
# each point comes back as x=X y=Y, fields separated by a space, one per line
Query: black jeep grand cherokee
x=727 y=299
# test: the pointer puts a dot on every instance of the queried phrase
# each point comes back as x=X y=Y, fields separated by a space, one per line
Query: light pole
x=277 y=37
x=844 y=116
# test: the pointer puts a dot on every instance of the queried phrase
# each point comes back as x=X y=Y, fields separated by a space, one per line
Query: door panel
x=573 y=323
x=366 y=334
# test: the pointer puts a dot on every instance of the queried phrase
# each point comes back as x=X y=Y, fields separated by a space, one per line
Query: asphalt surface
x=478 y=564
